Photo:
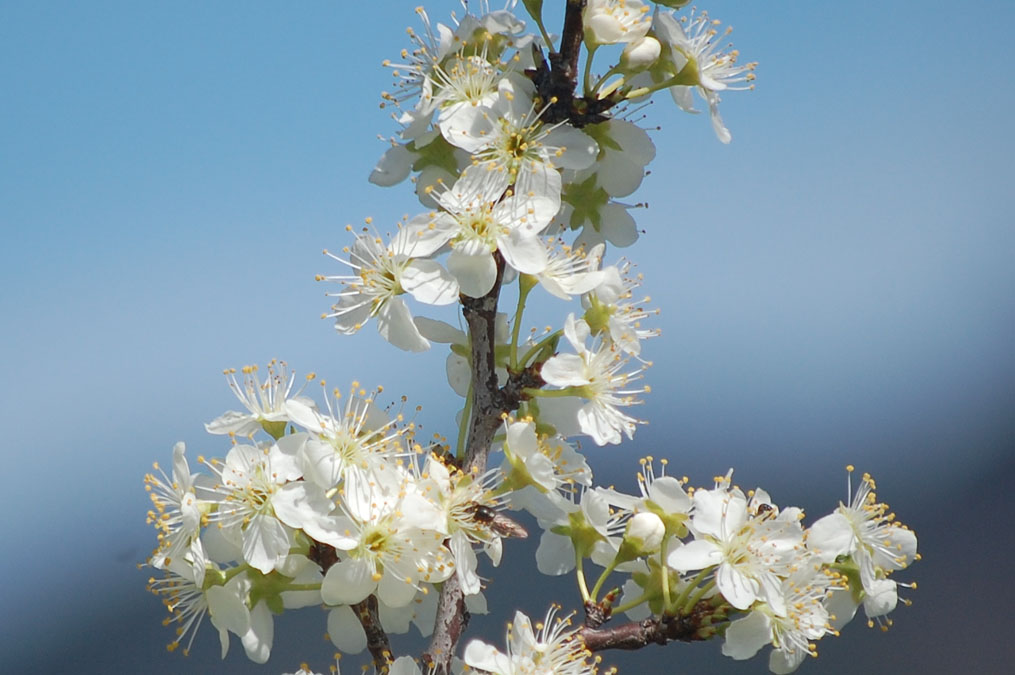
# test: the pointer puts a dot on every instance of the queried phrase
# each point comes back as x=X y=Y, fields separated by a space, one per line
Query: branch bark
x=487 y=408
x=377 y=639
x=694 y=627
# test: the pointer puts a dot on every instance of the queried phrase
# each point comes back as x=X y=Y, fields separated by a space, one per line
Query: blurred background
x=836 y=287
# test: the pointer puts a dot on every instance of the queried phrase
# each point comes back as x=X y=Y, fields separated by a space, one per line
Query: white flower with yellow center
x=476 y=223
x=610 y=309
x=381 y=275
x=569 y=270
x=354 y=435
x=177 y=510
x=750 y=554
x=390 y=542
x=519 y=151
x=609 y=22
x=867 y=533
x=469 y=509
x=265 y=401
x=544 y=464
x=255 y=509
x=694 y=59
x=553 y=648
x=595 y=374
x=792 y=633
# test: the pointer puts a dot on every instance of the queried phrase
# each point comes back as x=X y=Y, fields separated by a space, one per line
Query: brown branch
x=694 y=627
x=485 y=419
x=563 y=76
x=377 y=639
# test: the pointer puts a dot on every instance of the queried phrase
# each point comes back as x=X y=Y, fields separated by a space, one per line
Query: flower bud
x=646 y=529
x=640 y=54
x=643 y=537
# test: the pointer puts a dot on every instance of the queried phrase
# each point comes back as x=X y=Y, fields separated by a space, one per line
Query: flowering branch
x=338 y=504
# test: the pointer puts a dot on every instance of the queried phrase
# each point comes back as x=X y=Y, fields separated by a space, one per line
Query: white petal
x=345 y=630
x=695 y=555
x=880 y=598
x=746 y=636
x=830 y=537
x=241 y=424
x=738 y=589
x=429 y=283
x=258 y=639
x=564 y=370
x=486 y=657
x=266 y=542
x=393 y=167
x=555 y=555
x=404 y=665
x=394 y=323
x=781 y=663
x=580 y=149
x=424 y=235
x=395 y=591
x=348 y=582
x=465 y=563
x=526 y=253
x=228 y=610
x=476 y=274
x=440 y=331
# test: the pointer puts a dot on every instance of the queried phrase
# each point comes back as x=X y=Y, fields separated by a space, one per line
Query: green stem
x=694 y=599
x=602 y=579
x=580 y=571
x=602 y=80
x=688 y=76
x=665 y=574
x=690 y=587
x=302 y=587
x=536 y=348
x=587 y=75
x=526 y=283
x=556 y=393
x=632 y=604
x=463 y=426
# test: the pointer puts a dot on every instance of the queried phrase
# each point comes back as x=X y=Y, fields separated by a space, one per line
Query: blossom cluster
x=333 y=501
x=314 y=505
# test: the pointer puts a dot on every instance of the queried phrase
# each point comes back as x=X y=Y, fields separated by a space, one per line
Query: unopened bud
x=643 y=537
x=646 y=529
x=640 y=54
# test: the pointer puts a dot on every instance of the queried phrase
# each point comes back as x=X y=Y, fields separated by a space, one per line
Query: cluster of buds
x=521 y=167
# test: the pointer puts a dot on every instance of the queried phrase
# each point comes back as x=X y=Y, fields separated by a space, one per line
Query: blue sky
x=836 y=285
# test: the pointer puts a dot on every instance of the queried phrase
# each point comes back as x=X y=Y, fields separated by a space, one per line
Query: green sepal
x=275 y=429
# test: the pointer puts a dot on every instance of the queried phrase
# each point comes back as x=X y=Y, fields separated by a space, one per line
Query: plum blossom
x=381 y=275
x=791 y=633
x=265 y=401
x=391 y=543
x=610 y=22
x=252 y=506
x=476 y=223
x=695 y=60
x=595 y=374
x=611 y=310
x=177 y=510
x=867 y=533
x=751 y=554
x=553 y=648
